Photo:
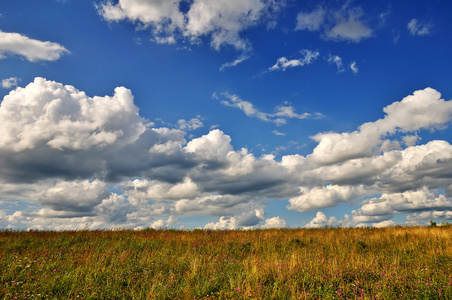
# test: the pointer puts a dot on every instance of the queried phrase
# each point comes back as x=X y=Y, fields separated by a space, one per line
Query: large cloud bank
x=77 y=160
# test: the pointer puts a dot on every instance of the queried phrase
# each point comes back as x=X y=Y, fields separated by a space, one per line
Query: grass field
x=332 y=263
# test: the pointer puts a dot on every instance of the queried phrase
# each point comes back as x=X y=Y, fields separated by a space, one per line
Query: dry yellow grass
x=332 y=263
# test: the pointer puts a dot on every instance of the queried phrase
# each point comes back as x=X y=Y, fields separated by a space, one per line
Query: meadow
x=331 y=263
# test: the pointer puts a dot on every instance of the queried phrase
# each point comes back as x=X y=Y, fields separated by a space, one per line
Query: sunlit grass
x=333 y=263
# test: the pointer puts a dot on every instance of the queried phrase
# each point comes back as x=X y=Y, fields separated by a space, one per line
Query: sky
x=224 y=114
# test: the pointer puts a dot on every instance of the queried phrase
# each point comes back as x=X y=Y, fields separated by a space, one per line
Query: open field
x=332 y=263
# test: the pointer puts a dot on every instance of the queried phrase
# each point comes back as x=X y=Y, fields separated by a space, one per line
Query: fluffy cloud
x=10 y=82
x=70 y=160
x=422 y=110
x=382 y=224
x=248 y=220
x=344 y=23
x=33 y=50
x=74 y=195
x=61 y=117
x=327 y=196
x=221 y=21
x=321 y=220
x=418 y=28
x=275 y=222
x=192 y=124
x=406 y=202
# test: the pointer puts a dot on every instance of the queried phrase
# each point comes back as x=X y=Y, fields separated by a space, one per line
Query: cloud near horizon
x=80 y=160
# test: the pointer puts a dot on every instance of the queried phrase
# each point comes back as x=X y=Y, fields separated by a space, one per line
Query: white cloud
x=248 y=220
x=279 y=117
x=417 y=28
x=354 y=68
x=9 y=83
x=288 y=112
x=163 y=223
x=422 y=110
x=321 y=220
x=32 y=50
x=311 y=21
x=275 y=222
x=382 y=224
x=142 y=190
x=234 y=63
x=326 y=196
x=61 y=117
x=276 y=132
x=283 y=63
x=192 y=124
x=74 y=195
x=441 y=215
x=63 y=154
x=336 y=60
x=351 y=29
x=345 y=23
x=213 y=146
x=410 y=140
x=221 y=21
x=407 y=202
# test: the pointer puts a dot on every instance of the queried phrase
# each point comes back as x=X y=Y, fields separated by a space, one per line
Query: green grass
x=334 y=263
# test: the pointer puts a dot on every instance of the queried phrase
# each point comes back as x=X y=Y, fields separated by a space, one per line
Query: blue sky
x=224 y=114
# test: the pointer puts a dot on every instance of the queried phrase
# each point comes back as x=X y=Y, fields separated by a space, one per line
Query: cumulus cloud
x=71 y=160
x=422 y=110
x=387 y=223
x=220 y=21
x=423 y=217
x=33 y=50
x=9 y=83
x=163 y=223
x=321 y=220
x=275 y=222
x=247 y=220
x=279 y=117
x=323 y=197
x=283 y=63
x=62 y=117
x=74 y=195
x=343 y=24
x=192 y=124
x=416 y=27
x=407 y=202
